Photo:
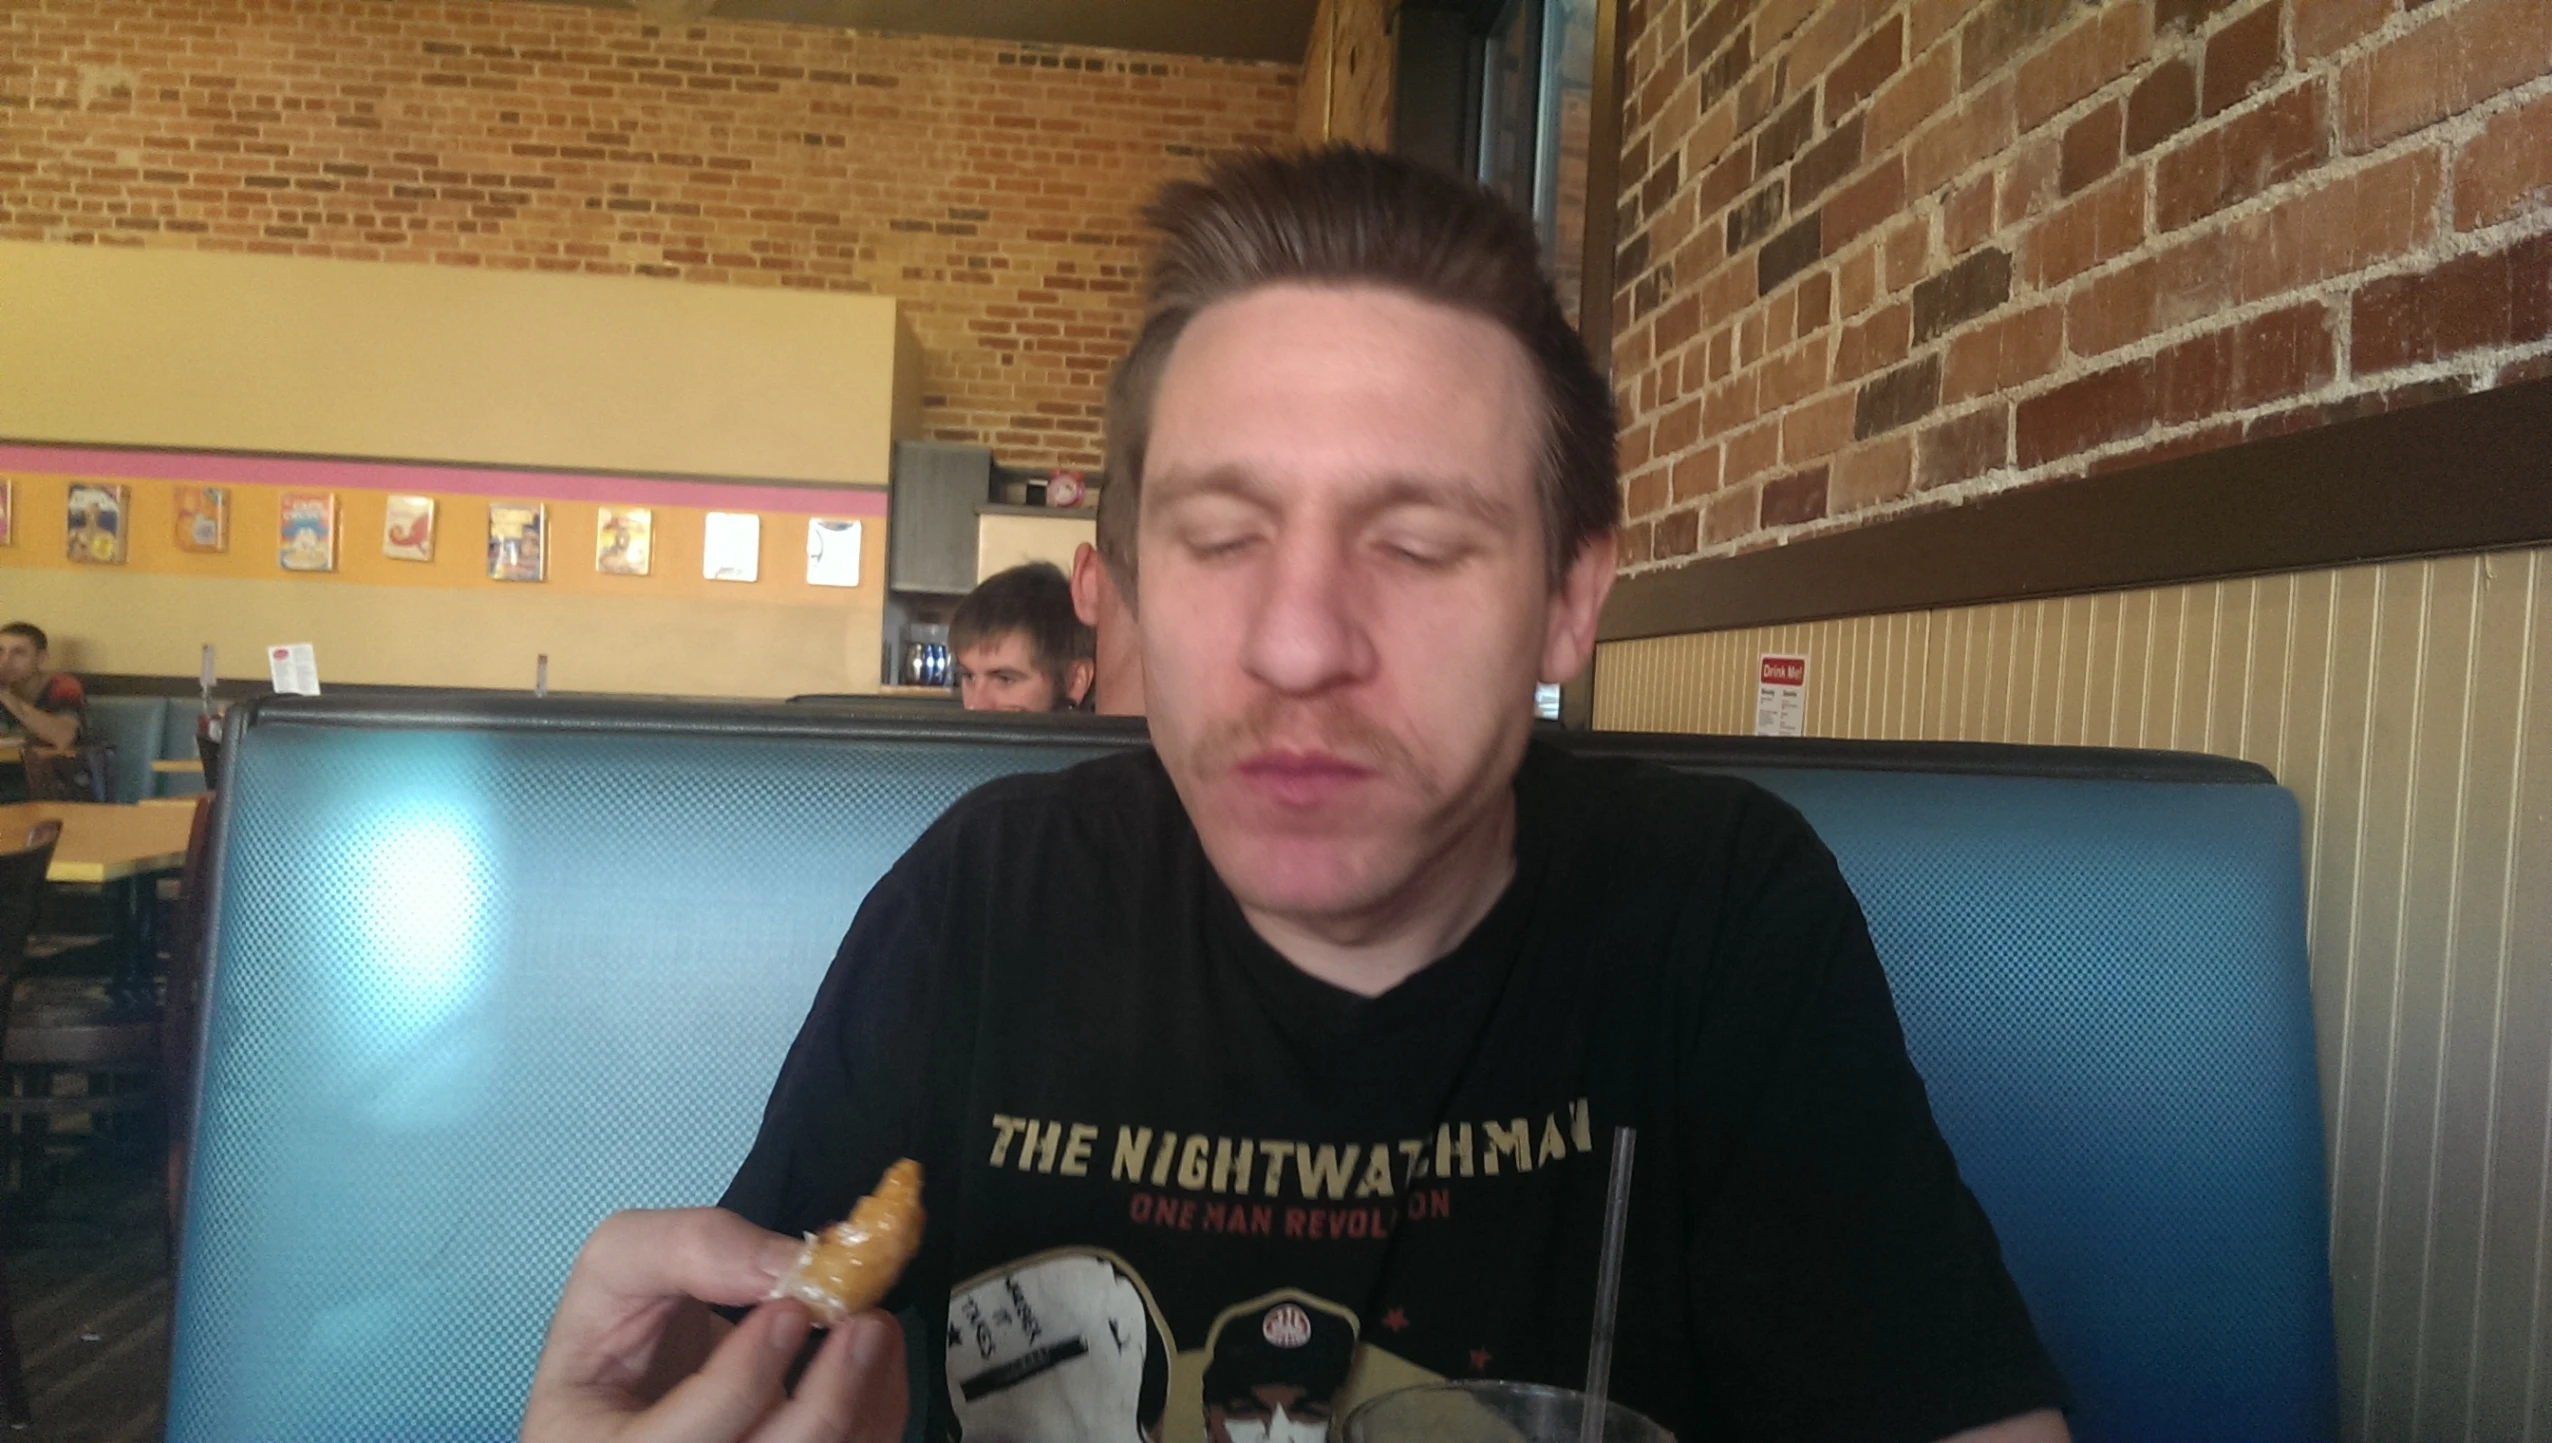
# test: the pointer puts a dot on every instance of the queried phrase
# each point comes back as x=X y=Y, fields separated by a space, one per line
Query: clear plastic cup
x=1490 y=1412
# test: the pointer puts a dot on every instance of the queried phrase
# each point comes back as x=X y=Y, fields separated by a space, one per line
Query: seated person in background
x=49 y=708
x=1304 y=1032
x=1017 y=644
x=1118 y=690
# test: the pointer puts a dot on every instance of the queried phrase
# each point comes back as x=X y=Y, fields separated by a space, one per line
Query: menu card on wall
x=295 y=668
x=1781 y=696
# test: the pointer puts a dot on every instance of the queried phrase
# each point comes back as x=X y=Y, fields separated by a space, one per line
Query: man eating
x=1337 y=993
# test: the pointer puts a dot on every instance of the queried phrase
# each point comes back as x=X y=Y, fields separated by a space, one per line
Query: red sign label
x=1785 y=671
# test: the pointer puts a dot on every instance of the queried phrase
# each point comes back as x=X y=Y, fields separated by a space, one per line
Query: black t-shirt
x=1179 y=1189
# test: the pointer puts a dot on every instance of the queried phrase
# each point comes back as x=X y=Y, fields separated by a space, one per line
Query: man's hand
x=631 y=1328
x=42 y=727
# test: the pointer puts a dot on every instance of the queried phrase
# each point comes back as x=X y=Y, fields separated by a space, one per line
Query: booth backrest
x=485 y=971
x=144 y=729
x=177 y=744
x=133 y=726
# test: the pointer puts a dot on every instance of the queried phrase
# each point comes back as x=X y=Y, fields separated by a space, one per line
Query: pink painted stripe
x=315 y=474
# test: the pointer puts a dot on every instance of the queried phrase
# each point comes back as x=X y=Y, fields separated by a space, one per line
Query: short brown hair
x=1344 y=216
x=30 y=631
x=1035 y=600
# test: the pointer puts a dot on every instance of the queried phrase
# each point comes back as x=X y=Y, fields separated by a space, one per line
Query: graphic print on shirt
x=1275 y=1367
x=1069 y=1343
x=1066 y=1347
x=1277 y=1185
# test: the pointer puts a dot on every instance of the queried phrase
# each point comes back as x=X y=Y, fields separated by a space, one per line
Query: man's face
x=1344 y=606
x=1001 y=673
x=1272 y=1413
x=19 y=659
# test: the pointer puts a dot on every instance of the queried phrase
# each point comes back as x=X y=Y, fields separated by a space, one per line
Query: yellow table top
x=104 y=842
x=178 y=764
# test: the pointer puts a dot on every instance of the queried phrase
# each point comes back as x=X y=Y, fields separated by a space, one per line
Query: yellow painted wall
x=204 y=351
x=223 y=351
x=1002 y=542
x=2409 y=708
x=444 y=623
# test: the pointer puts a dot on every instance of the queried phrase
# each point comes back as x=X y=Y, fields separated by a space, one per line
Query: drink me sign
x=1781 y=696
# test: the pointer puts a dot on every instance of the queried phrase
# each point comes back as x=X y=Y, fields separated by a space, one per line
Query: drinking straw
x=1608 y=1289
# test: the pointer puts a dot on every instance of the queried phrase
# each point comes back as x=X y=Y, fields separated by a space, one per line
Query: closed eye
x=1435 y=549
x=1217 y=547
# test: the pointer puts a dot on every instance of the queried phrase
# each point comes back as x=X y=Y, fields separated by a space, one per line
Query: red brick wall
x=992 y=186
x=1879 y=254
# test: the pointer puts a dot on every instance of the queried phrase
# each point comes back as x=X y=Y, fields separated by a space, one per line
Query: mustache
x=1324 y=724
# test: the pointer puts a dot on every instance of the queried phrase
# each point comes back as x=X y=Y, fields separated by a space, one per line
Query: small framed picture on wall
x=98 y=514
x=624 y=540
x=407 y=528
x=203 y=518
x=733 y=549
x=516 y=532
x=306 y=531
x=832 y=552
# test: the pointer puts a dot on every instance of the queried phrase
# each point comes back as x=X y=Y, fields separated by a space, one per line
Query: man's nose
x=1308 y=633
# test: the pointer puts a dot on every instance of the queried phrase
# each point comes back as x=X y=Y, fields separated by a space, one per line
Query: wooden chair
x=21 y=880
x=79 y=775
x=74 y=1023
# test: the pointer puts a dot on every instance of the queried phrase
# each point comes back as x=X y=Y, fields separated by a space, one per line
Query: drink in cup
x=1492 y=1412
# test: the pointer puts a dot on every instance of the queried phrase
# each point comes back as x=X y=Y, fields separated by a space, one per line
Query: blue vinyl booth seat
x=132 y=725
x=144 y=729
x=486 y=970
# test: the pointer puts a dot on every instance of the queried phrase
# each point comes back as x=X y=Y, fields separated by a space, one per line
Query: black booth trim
x=890 y=719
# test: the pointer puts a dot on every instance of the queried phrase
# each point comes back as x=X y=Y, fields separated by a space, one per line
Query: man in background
x=1018 y=645
x=49 y=708
x=45 y=711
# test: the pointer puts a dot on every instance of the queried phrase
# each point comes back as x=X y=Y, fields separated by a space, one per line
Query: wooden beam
x=2473 y=473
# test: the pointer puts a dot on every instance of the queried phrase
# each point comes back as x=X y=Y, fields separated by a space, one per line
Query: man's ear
x=1077 y=680
x=1089 y=574
x=1577 y=605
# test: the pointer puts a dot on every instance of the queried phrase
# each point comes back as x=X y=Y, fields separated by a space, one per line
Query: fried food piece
x=847 y=1267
